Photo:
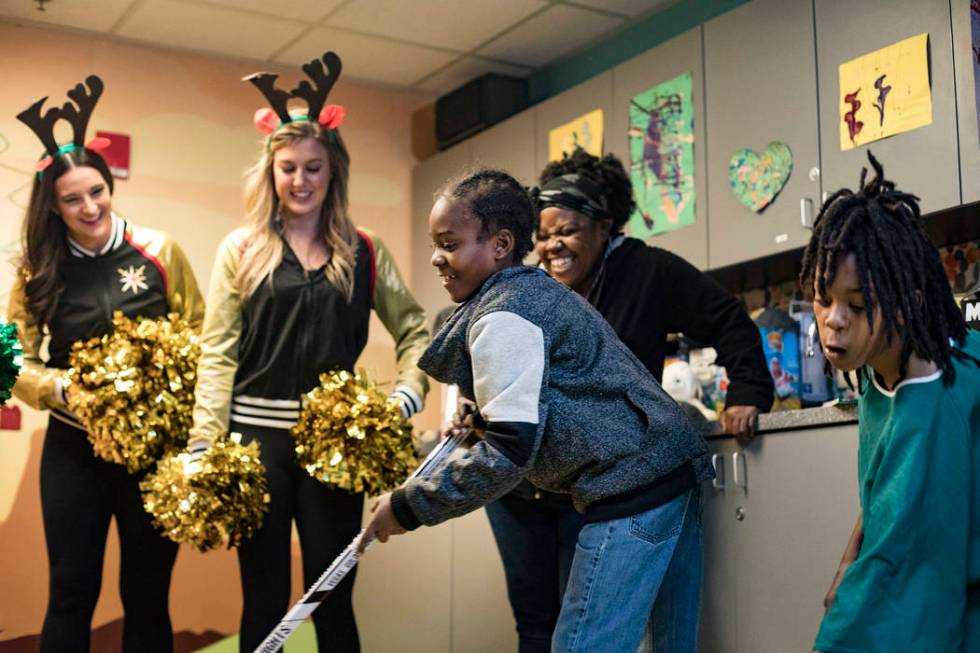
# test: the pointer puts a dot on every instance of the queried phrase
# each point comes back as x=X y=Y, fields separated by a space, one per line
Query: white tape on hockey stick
x=347 y=559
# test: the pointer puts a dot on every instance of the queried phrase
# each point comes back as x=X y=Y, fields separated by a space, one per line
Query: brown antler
x=77 y=114
x=86 y=104
x=42 y=126
x=315 y=98
x=278 y=99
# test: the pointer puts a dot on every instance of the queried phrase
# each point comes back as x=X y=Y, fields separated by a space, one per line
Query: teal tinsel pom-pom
x=11 y=358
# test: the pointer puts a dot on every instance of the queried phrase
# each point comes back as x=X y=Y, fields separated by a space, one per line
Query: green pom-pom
x=11 y=359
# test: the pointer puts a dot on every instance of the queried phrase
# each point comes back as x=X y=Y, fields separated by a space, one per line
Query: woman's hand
x=383 y=523
x=739 y=421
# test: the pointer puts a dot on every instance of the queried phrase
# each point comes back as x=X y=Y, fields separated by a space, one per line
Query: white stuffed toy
x=681 y=384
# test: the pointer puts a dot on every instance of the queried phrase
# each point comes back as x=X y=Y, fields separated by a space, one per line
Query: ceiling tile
x=192 y=26
x=629 y=7
x=307 y=11
x=368 y=58
x=465 y=70
x=97 y=15
x=550 y=35
x=460 y=25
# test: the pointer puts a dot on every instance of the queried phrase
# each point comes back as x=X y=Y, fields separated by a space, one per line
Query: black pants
x=327 y=521
x=79 y=495
x=536 y=541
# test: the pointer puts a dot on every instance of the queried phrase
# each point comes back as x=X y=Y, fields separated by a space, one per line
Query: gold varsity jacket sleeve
x=219 y=346
x=183 y=295
x=36 y=383
x=402 y=317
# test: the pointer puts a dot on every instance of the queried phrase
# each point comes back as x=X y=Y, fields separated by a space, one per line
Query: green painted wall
x=626 y=44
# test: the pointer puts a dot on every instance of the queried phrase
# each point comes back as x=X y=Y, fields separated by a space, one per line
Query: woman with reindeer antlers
x=81 y=263
x=290 y=298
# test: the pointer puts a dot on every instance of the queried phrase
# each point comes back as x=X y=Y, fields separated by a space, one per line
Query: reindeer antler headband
x=76 y=114
x=268 y=121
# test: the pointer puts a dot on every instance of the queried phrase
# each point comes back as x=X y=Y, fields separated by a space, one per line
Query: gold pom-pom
x=133 y=389
x=351 y=436
x=217 y=501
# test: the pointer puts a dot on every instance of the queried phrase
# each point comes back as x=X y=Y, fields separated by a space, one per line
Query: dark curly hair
x=608 y=172
x=882 y=228
x=498 y=201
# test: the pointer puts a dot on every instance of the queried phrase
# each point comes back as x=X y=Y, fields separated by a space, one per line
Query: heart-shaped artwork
x=756 y=179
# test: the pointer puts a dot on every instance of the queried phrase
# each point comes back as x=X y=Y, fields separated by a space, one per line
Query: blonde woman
x=290 y=298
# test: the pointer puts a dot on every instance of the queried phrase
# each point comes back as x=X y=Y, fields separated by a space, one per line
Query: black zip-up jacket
x=140 y=272
x=260 y=356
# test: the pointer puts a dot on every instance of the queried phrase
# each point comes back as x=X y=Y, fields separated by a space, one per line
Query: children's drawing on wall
x=585 y=132
x=975 y=48
x=661 y=138
x=885 y=92
x=756 y=179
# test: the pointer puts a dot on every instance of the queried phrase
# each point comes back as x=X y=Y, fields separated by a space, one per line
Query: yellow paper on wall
x=885 y=92
x=585 y=132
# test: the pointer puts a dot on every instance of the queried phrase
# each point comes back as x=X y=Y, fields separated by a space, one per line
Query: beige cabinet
x=924 y=161
x=966 y=101
x=755 y=96
x=681 y=54
x=775 y=525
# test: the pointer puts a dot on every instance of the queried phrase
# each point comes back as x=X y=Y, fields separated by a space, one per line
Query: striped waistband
x=62 y=415
x=275 y=413
x=284 y=413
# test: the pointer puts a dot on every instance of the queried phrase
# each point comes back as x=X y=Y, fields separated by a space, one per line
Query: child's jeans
x=629 y=571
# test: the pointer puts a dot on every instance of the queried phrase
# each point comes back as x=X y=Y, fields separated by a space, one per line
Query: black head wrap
x=574 y=192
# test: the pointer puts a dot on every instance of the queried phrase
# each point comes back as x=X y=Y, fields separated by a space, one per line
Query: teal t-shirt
x=918 y=463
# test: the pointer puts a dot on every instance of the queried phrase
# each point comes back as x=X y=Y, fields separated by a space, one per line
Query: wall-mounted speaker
x=478 y=104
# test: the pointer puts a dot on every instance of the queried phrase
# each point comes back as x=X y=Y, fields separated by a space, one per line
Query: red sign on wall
x=117 y=154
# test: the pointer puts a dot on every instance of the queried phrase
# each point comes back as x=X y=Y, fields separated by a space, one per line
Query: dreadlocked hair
x=899 y=269
x=607 y=172
x=497 y=201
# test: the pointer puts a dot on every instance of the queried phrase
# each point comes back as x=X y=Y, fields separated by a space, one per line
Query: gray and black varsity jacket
x=565 y=404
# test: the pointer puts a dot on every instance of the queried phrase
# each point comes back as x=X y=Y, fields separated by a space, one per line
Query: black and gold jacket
x=260 y=356
x=140 y=272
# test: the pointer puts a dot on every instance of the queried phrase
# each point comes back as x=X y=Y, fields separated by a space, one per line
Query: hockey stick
x=347 y=559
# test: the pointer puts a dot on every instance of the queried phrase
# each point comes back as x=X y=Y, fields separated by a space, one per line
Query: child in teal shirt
x=910 y=577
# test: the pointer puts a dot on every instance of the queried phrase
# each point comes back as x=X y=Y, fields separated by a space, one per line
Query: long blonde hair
x=263 y=250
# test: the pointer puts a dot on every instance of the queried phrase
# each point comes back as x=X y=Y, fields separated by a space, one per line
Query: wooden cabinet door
x=681 y=54
x=718 y=619
x=760 y=85
x=966 y=101
x=923 y=161
x=800 y=506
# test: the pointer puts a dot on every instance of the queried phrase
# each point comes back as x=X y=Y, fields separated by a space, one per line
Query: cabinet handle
x=738 y=471
x=718 y=462
x=806 y=213
x=811 y=340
